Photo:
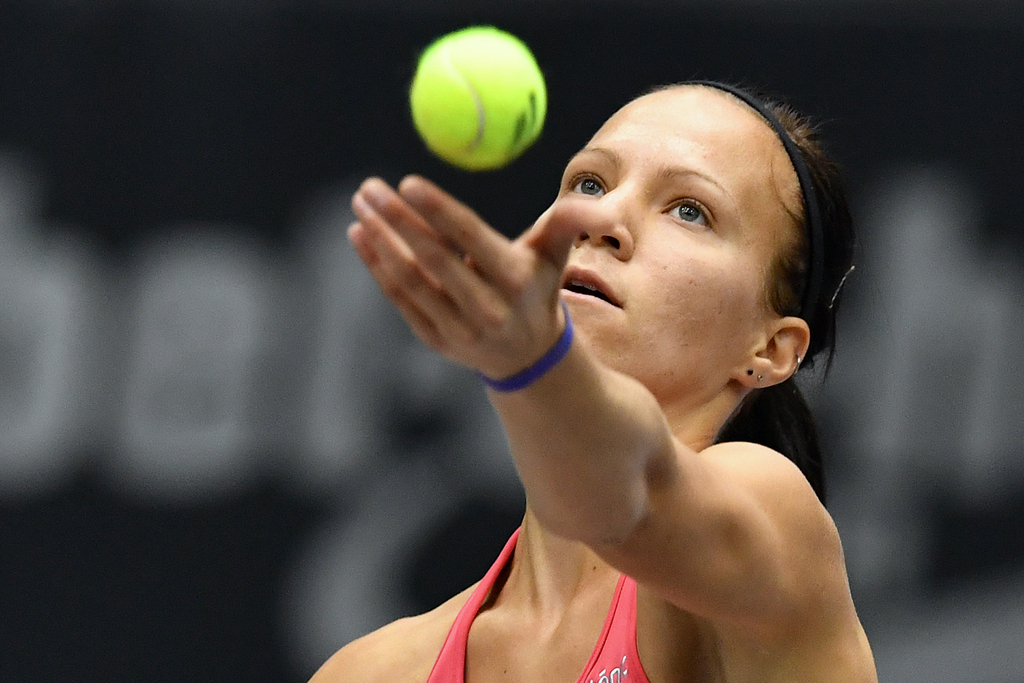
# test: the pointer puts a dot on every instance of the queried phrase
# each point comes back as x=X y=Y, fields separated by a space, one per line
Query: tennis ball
x=478 y=98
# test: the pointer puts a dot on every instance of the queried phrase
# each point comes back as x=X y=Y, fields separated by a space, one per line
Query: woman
x=687 y=266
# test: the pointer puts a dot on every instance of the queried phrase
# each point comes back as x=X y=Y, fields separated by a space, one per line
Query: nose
x=605 y=226
x=574 y=222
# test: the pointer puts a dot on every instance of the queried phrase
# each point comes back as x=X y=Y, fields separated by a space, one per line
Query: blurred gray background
x=222 y=456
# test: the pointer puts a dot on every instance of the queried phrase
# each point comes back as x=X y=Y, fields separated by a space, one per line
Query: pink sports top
x=614 y=659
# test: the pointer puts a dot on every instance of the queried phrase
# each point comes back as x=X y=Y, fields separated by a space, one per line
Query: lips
x=587 y=283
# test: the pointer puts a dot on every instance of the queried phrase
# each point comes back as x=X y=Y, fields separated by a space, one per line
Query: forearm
x=589 y=443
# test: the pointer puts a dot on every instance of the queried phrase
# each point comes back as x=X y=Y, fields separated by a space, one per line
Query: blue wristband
x=526 y=377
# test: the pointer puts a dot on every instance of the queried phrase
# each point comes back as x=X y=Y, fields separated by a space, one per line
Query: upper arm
x=737 y=535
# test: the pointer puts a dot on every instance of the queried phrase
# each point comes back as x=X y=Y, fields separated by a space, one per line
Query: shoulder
x=769 y=554
x=404 y=651
x=771 y=596
x=764 y=473
x=819 y=616
x=770 y=486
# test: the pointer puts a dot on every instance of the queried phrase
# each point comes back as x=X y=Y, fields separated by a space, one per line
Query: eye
x=690 y=213
x=588 y=185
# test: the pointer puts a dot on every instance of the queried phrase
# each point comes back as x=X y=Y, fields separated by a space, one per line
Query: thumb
x=558 y=228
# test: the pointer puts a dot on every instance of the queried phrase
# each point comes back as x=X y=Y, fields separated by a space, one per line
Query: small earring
x=750 y=371
x=760 y=377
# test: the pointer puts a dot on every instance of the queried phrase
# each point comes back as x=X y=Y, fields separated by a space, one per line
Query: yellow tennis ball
x=478 y=98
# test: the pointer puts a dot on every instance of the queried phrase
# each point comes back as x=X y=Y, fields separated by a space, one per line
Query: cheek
x=703 y=312
x=708 y=293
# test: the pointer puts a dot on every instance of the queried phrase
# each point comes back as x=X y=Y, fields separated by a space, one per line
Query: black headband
x=812 y=211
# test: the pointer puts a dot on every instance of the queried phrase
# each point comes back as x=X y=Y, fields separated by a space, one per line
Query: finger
x=428 y=317
x=490 y=251
x=421 y=325
x=457 y=274
x=374 y=195
x=361 y=241
x=398 y=274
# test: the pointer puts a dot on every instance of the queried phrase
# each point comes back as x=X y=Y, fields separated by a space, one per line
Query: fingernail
x=359 y=239
x=360 y=204
x=411 y=188
x=374 y=192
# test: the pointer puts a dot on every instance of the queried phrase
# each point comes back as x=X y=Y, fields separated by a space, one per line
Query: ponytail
x=778 y=417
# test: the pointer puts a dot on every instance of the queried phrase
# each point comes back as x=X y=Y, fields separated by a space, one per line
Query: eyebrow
x=664 y=172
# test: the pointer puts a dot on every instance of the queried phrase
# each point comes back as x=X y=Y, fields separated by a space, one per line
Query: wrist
x=538 y=369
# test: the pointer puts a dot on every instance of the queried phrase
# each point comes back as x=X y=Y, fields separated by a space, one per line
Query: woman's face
x=680 y=202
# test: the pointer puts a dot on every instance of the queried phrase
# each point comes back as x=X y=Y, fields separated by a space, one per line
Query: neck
x=698 y=426
x=549 y=572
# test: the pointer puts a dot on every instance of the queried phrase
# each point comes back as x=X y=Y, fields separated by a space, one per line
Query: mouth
x=588 y=284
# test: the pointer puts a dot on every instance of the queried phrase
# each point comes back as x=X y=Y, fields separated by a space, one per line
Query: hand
x=466 y=291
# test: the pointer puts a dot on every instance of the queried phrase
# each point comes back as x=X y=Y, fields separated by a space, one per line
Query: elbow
x=639 y=498
x=605 y=493
x=601 y=521
x=610 y=517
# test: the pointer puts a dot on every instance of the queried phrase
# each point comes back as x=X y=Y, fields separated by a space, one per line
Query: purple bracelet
x=525 y=378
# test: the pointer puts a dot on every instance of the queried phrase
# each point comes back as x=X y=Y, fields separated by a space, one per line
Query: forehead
x=692 y=114
x=710 y=131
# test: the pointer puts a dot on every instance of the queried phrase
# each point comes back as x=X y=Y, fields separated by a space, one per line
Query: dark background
x=130 y=117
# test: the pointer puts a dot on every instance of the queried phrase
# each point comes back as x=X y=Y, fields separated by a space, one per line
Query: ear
x=778 y=354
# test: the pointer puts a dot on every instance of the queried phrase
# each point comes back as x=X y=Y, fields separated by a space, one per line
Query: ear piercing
x=750 y=371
